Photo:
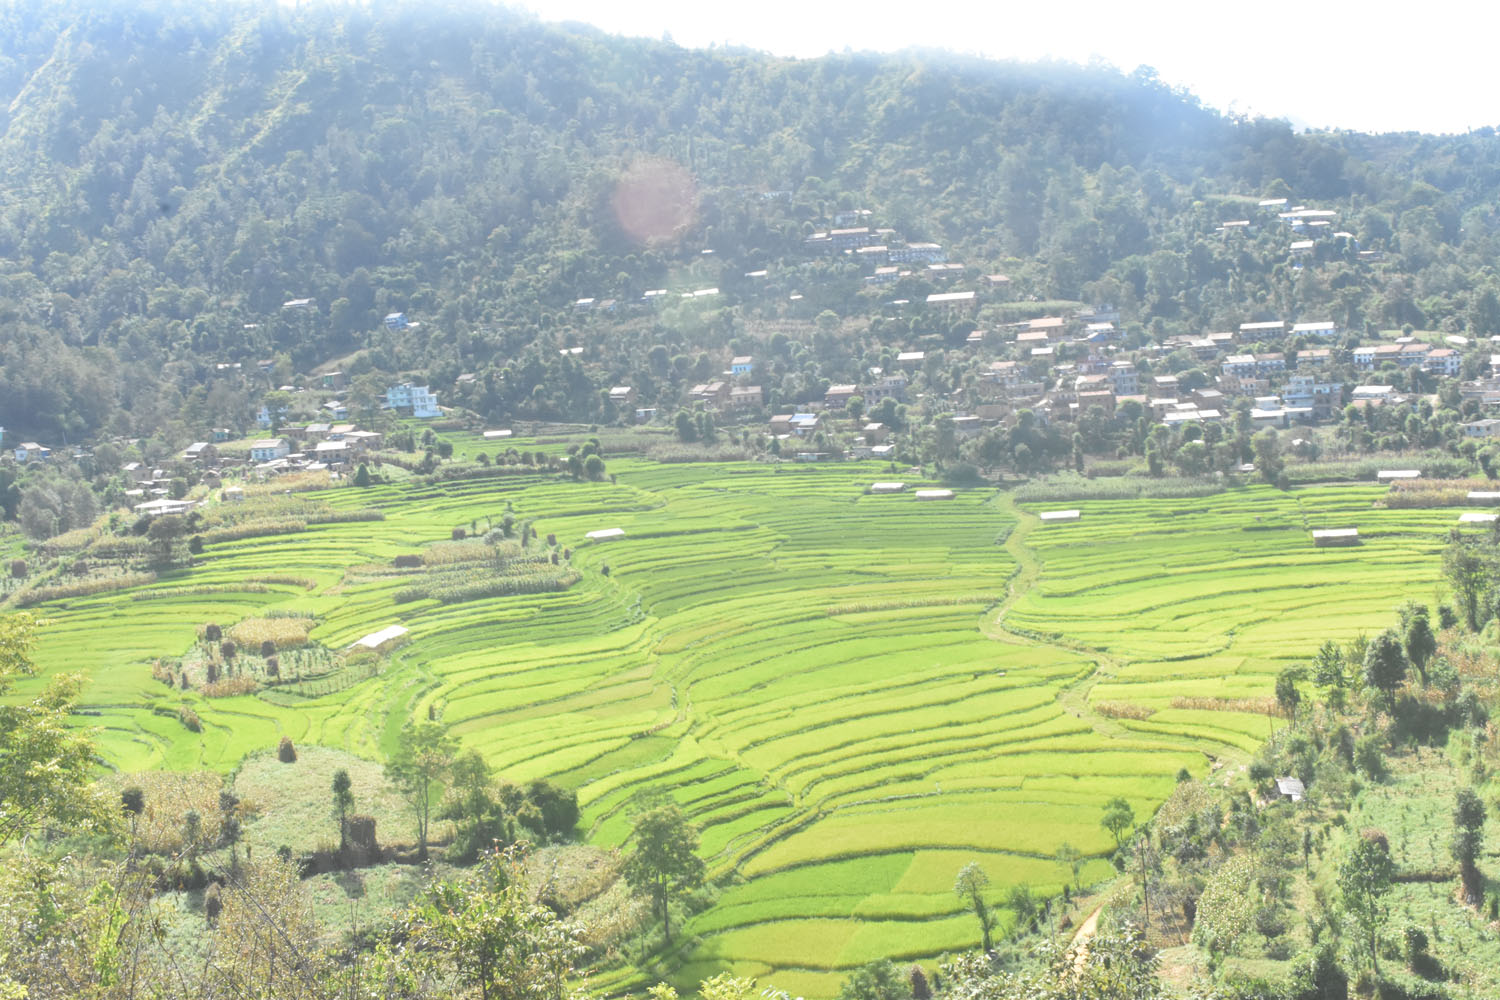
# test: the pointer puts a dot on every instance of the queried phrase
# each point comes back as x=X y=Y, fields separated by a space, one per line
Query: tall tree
x=343 y=801
x=664 y=860
x=1118 y=817
x=1468 y=841
x=1467 y=573
x=420 y=765
x=1385 y=665
x=969 y=886
x=1418 y=640
x=1364 y=879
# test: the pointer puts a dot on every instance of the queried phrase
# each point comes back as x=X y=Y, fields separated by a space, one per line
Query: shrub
x=458 y=534
x=1413 y=945
x=273 y=666
x=407 y=561
x=212 y=632
x=1369 y=758
x=1123 y=710
x=189 y=718
x=452 y=591
x=230 y=686
x=82 y=588
x=360 y=830
x=213 y=904
x=268 y=648
x=285 y=752
x=228 y=649
x=920 y=990
x=18 y=569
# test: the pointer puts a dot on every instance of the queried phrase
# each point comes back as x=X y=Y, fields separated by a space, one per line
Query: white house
x=269 y=449
x=416 y=398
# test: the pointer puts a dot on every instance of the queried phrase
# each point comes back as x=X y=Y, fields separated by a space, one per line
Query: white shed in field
x=1484 y=496
x=381 y=641
x=1335 y=536
x=606 y=534
x=1391 y=475
x=496 y=435
x=934 y=494
x=887 y=487
x=1477 y=517
x=1059 y=516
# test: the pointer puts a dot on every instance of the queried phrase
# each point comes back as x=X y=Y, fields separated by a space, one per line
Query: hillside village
x=954 y=387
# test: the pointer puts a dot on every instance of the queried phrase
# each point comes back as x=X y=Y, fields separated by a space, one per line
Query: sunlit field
x=852 y=694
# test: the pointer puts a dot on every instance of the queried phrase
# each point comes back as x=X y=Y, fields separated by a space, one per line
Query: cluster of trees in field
x=83 y=872
x=177 y=173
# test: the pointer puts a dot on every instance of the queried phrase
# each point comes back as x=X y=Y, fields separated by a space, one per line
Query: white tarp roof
x=605 y=534
x=377 y=639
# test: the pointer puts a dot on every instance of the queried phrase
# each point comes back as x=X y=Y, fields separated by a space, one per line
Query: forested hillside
x=174 y=173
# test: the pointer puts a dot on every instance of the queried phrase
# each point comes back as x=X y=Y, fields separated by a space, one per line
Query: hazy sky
x=1371 y=66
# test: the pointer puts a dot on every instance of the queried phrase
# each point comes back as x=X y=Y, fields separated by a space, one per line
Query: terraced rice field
x=1211 y=597
x=834 y=685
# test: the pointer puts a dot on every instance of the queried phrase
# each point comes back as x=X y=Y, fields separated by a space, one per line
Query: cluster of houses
x=1282 y=388
x=315 y=447
x=1308 y=226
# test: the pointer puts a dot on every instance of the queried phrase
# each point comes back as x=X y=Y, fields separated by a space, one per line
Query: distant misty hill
x=173 y=174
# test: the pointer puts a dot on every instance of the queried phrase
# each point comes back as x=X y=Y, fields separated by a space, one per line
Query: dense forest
x=173 y=174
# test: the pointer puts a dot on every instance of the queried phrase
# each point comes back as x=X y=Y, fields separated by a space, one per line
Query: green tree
x=1024 y=904
x=881 y=979
x=494 y=937
x=1329 y=671
x=1418 y=640
x=420 y=765
x=1385 y=665
x=46 y=765
x=362 y=475
x=558 y=806
x=1268 y=460
x=1468 y=841
x=1287 y=695
x=343 y=801
x=1364 y=879
x=1071 y=856
x=970 y=885
x=1467 y=573
x=664 y=860
x=483 y=816
x=1118 y=817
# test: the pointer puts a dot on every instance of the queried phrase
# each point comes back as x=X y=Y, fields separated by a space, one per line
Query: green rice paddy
x=853 y=695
